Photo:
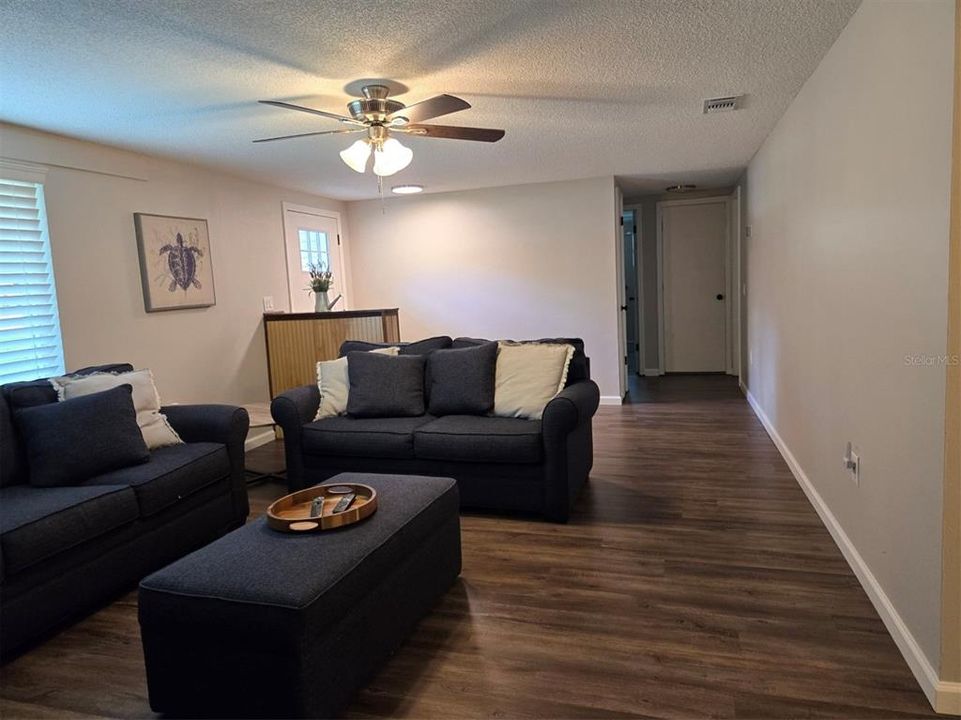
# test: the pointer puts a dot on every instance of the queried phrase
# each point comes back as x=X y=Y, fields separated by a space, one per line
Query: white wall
x=847 y=275
x=212 y=354
x=520 y=262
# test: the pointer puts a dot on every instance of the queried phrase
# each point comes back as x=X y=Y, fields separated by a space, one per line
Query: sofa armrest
x=568 y=446
x=295 y=407
x=227 y=424
x=292 y=410
x=572 y=406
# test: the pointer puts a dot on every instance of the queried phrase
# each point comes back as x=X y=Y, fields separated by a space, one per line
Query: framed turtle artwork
x=176 y=269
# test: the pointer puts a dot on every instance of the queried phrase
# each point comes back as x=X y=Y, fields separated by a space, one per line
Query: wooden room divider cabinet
x=297 y=341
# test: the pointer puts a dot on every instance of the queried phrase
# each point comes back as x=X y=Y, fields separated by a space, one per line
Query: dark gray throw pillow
x=71 y=441
x=385 y=385
x=462 y=381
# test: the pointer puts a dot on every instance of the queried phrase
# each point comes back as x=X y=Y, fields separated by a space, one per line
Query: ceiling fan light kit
x=378 y=116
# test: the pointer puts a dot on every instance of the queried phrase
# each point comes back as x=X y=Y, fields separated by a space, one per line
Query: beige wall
x=847 y=279
x=527 y=261
x=211 y=354
x=951 y=533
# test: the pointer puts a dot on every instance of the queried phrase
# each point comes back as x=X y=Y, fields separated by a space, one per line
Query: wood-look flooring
x=694 y=580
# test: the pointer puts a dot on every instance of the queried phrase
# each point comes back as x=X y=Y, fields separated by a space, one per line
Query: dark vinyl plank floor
x=694 y=580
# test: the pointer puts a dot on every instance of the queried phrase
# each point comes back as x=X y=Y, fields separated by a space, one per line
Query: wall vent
x=723 y=104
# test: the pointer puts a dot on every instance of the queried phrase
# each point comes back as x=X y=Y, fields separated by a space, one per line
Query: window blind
x=30 y=344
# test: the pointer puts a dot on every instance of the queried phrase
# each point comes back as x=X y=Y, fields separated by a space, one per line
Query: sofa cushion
x=419 y=347
x=528 y=376
x=333 y=383
x=476 y=438
x=462 y=380
x=363 y=437
x=38 y=523
x=172 y=473
x=146 y=401
x=580 y=365
x=385 y=386
x=70 y=441
x=30 y=393
x=13 y=460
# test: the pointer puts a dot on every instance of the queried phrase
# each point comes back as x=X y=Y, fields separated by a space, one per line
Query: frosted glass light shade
x=391 y=158
x=356 y=156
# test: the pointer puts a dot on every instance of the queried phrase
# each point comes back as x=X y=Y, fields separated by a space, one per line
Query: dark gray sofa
x=64 y=551
x=500 y=464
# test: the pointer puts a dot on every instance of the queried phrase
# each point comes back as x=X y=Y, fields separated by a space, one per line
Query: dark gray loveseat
x=66 y=550
x=500 y=464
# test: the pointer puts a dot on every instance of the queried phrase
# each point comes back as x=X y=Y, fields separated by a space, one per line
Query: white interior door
x=694 y=250
x=312 y=239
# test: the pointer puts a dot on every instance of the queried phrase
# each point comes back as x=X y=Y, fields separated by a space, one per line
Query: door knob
x=720 y=296
x=623 y=307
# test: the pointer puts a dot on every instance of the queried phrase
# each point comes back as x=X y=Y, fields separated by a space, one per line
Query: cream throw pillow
x=157 y=432
x=528 y=376
x=334 y=384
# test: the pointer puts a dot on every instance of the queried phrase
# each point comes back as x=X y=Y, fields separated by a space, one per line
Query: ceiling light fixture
x=356 y=156
x=680 y=188
x=407 y=189
x=379 y=115
x=389 y=155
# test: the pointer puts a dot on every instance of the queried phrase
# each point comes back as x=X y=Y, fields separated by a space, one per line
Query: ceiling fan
x=379 y=116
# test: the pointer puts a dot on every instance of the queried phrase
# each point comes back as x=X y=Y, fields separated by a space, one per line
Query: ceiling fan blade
x=325 y=132
x=431 y=108
x=453 y=133
x=322 y=113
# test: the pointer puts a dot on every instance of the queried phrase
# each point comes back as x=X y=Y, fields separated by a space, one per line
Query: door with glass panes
x=313 y=240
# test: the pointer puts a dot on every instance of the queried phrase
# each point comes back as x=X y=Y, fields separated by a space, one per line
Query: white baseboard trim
x=261 y=438
x=612 y=400
x=939 y=694
x=652 y=372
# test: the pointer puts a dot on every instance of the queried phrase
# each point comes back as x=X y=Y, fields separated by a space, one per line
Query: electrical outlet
x=268 y=303
x=852 y=463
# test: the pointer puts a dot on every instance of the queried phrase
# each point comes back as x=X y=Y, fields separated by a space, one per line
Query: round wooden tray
x=291 y=513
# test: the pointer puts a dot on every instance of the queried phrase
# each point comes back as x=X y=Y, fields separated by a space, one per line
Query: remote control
x=343 y=503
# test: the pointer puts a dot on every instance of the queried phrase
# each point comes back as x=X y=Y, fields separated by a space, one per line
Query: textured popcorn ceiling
x=603 y=87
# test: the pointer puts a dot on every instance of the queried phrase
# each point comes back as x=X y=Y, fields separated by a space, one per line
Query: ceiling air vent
x=723 y=104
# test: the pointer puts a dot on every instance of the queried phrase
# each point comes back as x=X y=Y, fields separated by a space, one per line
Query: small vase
x=321 y=302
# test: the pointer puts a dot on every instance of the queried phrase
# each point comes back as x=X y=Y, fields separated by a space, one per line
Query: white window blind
x=30 y=344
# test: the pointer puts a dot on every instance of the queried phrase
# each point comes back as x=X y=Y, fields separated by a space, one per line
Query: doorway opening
x=312 y=239
x=697 y=248
x=631 y=308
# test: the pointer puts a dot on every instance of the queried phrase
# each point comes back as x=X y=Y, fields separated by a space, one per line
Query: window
x=30 y=344
x=313 y=249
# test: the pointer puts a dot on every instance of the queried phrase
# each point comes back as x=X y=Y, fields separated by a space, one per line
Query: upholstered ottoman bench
x=269 y=624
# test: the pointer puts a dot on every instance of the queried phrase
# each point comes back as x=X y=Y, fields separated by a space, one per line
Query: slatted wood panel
x=295 y=343
x=694 y=580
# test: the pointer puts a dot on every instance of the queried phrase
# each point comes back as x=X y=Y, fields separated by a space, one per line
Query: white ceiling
x=583 y=89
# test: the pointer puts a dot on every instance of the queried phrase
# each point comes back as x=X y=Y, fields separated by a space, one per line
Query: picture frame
x=176 y=267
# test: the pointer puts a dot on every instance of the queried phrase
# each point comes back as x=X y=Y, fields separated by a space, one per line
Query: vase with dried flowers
x=321 y=280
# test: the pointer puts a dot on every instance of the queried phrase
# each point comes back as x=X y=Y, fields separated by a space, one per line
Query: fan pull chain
x=380 y=189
